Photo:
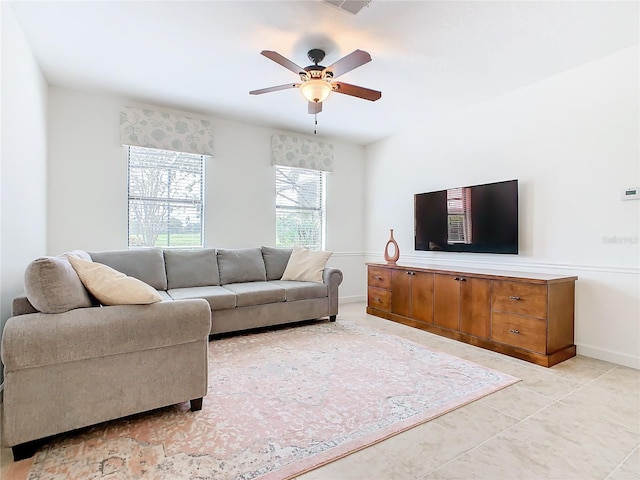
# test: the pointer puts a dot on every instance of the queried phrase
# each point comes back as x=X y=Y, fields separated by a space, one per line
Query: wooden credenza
x=527 y=316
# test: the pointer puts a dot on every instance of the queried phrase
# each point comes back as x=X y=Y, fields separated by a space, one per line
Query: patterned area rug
x=280 y=403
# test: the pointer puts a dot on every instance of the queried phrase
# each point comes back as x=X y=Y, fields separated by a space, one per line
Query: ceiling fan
x=316 y=81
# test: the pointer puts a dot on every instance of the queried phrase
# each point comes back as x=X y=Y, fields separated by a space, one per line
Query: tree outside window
x=166 y=191
x=300 y=208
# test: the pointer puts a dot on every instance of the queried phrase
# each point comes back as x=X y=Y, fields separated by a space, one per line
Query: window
x=459 y=215
x=300 y=208
x=166 y=191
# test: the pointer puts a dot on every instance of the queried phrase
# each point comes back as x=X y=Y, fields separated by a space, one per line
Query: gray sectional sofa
x=71 y=363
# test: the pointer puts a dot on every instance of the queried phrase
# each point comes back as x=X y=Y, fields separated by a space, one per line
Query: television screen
x=479 y=218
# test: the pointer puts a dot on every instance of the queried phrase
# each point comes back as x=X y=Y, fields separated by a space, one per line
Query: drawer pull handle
x=378 y=299
x=411 y=273
x=460 y=279
x=378 y=277
x=515 y=331
x=513 y=297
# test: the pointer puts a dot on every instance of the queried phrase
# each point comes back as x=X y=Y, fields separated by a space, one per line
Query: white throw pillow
x=306 y=265
x=112 y=287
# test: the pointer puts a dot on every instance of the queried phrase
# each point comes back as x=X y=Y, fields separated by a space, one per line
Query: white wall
x=23 y=165
x=572 y=141
x=88 y=186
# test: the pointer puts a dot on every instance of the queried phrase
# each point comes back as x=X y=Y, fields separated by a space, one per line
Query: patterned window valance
x=292 y=151
x=143 y=127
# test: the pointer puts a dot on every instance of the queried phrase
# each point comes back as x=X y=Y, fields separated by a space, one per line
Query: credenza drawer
x=379 y=299
x=517 y=297
x=379 y=277
x=520 y=331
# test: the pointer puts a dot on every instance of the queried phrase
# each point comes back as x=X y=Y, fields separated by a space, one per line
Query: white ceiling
x=429 y=58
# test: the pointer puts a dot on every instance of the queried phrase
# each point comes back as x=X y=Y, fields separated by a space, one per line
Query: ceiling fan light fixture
x=316 y=90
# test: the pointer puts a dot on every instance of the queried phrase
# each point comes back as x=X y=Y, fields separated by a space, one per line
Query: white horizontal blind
x=166 y=191
x=300 y=207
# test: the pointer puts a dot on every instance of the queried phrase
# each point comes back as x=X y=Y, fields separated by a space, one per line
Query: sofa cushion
x=164 y=296
x=78 y=253
x=275 y=261
x=146 y=264
x=32 y=341
x=241 y=265
x=191 y=268
x=52 y=286
x=306 y=265
x=256 y=293
x=302 y=290
x=111 y=287
x=219 y=298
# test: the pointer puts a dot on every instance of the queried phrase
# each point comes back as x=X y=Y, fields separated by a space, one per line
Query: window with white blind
x=459 y=215
x=300 y=207
x=166 y=193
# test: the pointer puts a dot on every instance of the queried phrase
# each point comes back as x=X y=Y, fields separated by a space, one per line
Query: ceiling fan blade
x=349 y=62
x=355 y=91
x=274 y=89
x=315 y=107
x=285 y=62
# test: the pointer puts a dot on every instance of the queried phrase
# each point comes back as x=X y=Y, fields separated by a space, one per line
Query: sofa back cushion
x=53 y=286
x=146 y=264
x=241 y=265
x=275 y=261
x=191 y=268
x=112 y=287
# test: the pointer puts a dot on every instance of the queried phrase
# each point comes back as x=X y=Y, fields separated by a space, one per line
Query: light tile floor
x=578 y=420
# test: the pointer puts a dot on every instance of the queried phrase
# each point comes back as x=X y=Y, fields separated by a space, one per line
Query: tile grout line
x=616 y=367
x=422 y=477
x=637 y=447
x=587 y=384
x=492 y=437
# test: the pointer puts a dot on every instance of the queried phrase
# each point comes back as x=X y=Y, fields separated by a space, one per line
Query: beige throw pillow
x=111 y=287
x=306 y=265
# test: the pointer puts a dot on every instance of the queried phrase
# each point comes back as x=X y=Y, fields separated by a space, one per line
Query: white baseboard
x=353 y=299
x=609 y=356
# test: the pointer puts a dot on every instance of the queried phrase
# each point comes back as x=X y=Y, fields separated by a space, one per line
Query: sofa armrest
x=21 y=306
x=37 y=339
x=333 y=278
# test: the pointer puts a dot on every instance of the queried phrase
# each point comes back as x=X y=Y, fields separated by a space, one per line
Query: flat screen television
x=478 y=218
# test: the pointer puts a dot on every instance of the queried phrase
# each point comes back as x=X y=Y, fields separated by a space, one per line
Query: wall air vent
x=351 y=6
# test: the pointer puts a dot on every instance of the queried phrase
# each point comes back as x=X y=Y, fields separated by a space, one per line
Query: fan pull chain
x=315 y=126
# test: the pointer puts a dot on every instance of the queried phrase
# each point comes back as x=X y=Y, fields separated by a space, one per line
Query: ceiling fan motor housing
x=316 y=55
x=313 y=72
